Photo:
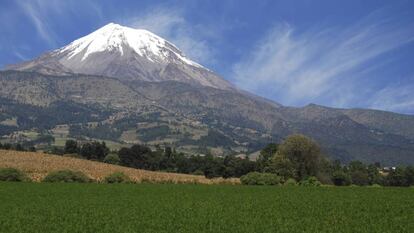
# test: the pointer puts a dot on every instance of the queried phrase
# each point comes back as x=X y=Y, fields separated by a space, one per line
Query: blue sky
x=335 y=53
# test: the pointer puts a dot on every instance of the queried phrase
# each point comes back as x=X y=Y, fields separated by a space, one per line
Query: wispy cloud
x=322 y=64
x=47 y=15
x=36 y=11
x=170 y=23
x=397 y=97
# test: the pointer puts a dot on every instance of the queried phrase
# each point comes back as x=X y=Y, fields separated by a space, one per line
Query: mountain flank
x=130 y=86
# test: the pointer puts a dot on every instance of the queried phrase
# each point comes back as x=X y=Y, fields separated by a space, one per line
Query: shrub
x=117 y=177
x=271 y=179
x=198 y=173
x=12 y=174
x=290 y=182
x=340 y=178
x=66 y=176
x=310 y=181
x=112 y=159
x=256 y=178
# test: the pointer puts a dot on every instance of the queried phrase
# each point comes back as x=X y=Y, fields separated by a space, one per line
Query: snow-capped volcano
x=124 y=53
x=115 y=38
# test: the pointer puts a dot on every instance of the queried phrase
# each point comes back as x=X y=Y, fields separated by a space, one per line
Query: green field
x=40 y=207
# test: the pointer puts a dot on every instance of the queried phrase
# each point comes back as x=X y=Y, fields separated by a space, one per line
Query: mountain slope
x=140 y=88
x=127 y=54
x=193 y=116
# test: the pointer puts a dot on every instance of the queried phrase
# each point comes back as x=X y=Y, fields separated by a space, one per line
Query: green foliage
x=290 y=182
x=19 y=147
x=71 y=147
x=136 y=156
x=215 y=138
x=66 y=176
x=282 y=166
x=303 y=153
x=101 y=131
x=257 y=178
x=409 y=175
x=12 y=174
x=112 y=159
x=310 y=181
x=16 y=147
x=142 y=157
x=266 y=155
x=153 y=133
x=340 y=178
x=117 y=177
x=198 y=173
x=94 y=150
x=359 y=173
x=397 y=177
x=296 y=153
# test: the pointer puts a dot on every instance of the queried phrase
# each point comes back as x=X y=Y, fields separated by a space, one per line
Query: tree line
x=297 y=159
x=300 y=158
x=162 y=159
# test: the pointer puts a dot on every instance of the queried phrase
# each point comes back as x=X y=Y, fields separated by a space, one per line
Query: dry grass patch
x=38 y=165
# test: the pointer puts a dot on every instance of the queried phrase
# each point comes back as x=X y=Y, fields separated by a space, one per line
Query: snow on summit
x=114 y=37
x=127 y=54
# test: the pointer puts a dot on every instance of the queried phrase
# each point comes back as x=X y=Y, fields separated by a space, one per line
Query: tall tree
x=304 y=153
x=71 y=147
x=266 y=155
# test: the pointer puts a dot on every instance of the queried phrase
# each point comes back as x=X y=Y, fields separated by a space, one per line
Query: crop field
x=43 y=207
x=38 y=165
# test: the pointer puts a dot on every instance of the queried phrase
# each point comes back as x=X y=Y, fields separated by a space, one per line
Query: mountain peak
x=117 y=38
x=127 y=54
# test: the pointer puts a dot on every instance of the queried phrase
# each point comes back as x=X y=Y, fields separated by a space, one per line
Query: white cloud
x=322 y=64
x=170 y=24
x=398 y=98
x=44 y=15
x=36 y=11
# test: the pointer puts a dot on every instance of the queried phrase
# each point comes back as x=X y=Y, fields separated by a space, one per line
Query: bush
x=66 y=176
x=12 y=174
x=117 y=177
x=340 y=178
x=310 y=181
x=198 y=173
x=112 y=159
x=256 y=178
x=290 y=182
x=271 y=179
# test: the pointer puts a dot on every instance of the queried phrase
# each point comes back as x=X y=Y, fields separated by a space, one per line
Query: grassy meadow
x=43 y=207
